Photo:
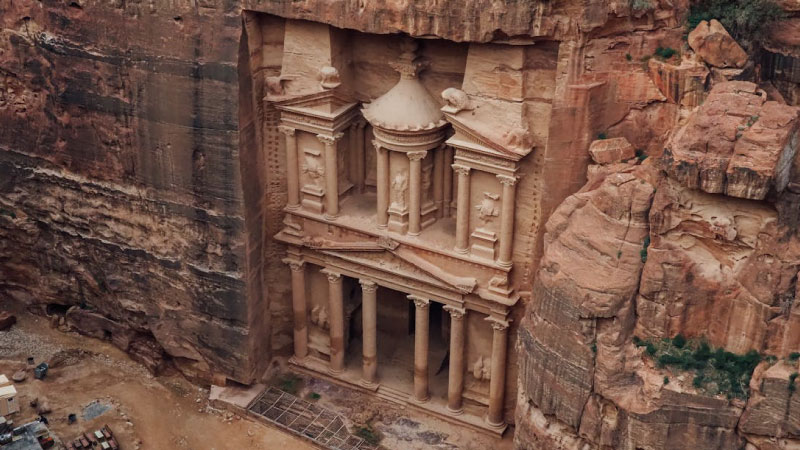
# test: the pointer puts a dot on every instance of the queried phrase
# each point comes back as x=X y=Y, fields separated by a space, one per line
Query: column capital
x=368 y=286
x=456 y=312
x=330 y=140
x=294 y=264
x=360 y=124
x=333 y=277
x=461 y=170
x=287 y=130
x=377 y=144
x=507 y=180
x=498 y=324
x=420 y=302
x=416 y=156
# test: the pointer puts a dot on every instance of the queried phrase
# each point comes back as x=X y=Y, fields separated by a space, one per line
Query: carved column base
x=398 y=219
x=455 y=412
x=483 y=244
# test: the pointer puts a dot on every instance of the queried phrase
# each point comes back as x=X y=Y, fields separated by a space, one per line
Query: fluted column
x=299 y=308
x=438 y=180
x=455 y=383
x=331 y=175
x=497 y=382
x=414 y=191
x=369 y=314
x=448 y=180
x=421 y=331
x=382 y=176
x=507 y=219
x=292 y=167
x=462 y=209
x=336 y=314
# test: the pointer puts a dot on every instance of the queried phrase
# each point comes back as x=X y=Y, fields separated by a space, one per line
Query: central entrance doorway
x=395 y=340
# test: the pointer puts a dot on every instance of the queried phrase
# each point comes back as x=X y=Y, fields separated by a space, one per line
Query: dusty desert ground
x=144 y=412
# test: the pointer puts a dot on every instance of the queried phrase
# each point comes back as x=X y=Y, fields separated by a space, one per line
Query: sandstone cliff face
x=121 y=188
x=657 y=259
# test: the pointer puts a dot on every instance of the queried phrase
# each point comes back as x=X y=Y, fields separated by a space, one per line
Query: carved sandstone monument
x=501 y=214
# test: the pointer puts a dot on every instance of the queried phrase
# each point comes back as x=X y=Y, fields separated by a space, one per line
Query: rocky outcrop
x=606 y=151
x=712 y=42
x=736 y=143
x=669 y=258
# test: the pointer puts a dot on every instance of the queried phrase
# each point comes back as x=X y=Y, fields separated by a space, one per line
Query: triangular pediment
x=398 y=265
x=490 y=128
x=329 y=104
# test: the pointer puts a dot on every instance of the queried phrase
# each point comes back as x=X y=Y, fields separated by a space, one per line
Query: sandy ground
x=144 y=412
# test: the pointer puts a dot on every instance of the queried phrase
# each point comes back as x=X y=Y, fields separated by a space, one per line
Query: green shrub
x=368 y=434
x=665 y=52
x=794 y=356
x=716 y=371
x=745 y=20
x=666 y=380
x=641 y=5
x=792 y=378
x=602 y=136
x=628 y=56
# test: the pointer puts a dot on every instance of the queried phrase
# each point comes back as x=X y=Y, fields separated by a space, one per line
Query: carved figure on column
x=314 y=170
x=481 y=370
x=487 y=208
x=399 y=186
x=319 y=317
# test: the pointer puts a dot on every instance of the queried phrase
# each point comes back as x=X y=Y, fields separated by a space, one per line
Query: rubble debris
x=7 y=320
x=19 y=376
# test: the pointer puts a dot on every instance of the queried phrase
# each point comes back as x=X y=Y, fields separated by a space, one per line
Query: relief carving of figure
x=314 y=170
x=329 y=77
x=482 y=368
x=319 y=316
x=399 y=186
x=487 y=208
x=426 y=181
x=456 y=100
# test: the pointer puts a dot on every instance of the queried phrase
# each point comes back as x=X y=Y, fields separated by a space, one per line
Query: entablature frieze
x=319 y=125
x=484 y=162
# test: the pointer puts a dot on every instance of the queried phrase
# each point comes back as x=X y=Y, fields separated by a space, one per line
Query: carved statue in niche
x=314 y=170
x=482 y=368
x=487 y=208
x=399 y=186
x=319 y=316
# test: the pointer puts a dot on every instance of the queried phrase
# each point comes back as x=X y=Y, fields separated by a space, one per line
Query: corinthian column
x=414 y=191
x=336 y=314
x=331 y=175
x=462 y=209
x=369 y=313
x=382 y=176
x=507 y=219
x=420 y=348
x=292 y=168
x=299 y=308
x=497 y=382
x=455 y=385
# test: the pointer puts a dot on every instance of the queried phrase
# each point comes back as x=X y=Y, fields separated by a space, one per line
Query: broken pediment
x=486 y=126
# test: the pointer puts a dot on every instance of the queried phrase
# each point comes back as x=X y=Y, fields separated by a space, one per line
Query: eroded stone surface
x=712 y=42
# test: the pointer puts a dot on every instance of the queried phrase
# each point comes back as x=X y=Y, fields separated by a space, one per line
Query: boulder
x=19 y=376
x=606 y=151
x=6 y=320
x=712 y=42
x=736 y=143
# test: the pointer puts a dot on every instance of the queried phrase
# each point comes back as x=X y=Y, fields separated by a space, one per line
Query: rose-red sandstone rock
x=605 y=151
x=711 y=41
x=726 y=148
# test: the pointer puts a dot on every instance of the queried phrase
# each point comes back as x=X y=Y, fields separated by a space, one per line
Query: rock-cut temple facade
x=400 y=229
